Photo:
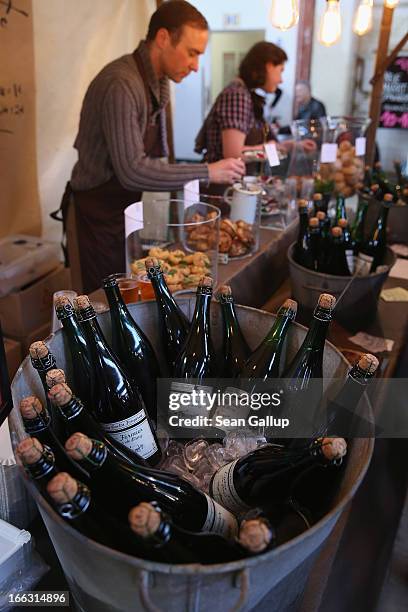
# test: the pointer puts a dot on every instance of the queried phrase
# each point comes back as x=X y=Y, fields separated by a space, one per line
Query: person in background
x=235 y=123
x=307 y=107
x=122 y=138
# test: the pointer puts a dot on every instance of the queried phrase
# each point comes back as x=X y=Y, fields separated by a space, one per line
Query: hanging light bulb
x=284 y=14
x=363 y=21
x=391 y=3
x=330 y=25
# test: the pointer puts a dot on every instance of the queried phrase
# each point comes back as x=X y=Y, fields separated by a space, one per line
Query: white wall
x=333 y=67
x=72 y=42
x=253 y=15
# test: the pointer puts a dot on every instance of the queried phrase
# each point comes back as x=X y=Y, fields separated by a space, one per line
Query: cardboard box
x=25 y=311
x=13 y=355
x=41 y=333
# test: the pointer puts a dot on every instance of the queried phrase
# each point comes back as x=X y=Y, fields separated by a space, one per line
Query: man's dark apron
x=99 y=218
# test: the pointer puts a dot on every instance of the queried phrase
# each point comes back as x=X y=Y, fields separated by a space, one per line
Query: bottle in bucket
x=248 y=481
x=173 y=323
x=372 y=251
x=172 y=544
x=116 y=401
x=119 y=487
x=235 y=349
x=132 y=347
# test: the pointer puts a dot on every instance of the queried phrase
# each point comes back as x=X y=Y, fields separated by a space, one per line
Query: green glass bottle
x=116 y=401
x=43 y=361
x=305 y=251
x=303 y=212
x=339 y=416
x=357 y=231
x=348 y=244
x=264 y=362
x=132 y=347
x=75 y=339
x=173 y=544
x=269 y=472
x=235 y=349
x=302 y=379
x=197 y=360
x=38 y=461
x=373 y=249
x=78 y=418
x=173 y=323
x=118 y=487
x=341 y=212
x=37 y=424
x=75 y=503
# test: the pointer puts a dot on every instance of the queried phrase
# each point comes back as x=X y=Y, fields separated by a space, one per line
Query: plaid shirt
x=233 y=109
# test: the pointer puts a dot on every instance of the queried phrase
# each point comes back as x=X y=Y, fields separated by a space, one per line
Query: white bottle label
x=195 y=399
x=224 y=492
x=350 y=260
x=219 y=520
x=363 y=264
x=134 y=433
x=328 y=153
x=235 y=406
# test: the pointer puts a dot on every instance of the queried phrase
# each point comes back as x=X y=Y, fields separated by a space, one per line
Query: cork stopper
x=30 y=407
x=334 y=448
x=317 y=197
x=290 y=304
x=144 y=520
x=60 y=394
x=225 y=290
x=313 y=222
x=255 y=535
x=368 y=363
x=326 y=301
x=62 y=488
x=78 y=446
x=321 y=215
x=30 y=451
x=336 y=231
x=302 y=204
x=61 y=301
x=152 y=262
x=206 y=281
x=343 y=223
x=55 y=377
x=81 y=302
x=38 y=350
x=388 y=197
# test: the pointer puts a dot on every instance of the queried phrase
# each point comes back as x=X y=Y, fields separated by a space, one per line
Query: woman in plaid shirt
x=235 y=123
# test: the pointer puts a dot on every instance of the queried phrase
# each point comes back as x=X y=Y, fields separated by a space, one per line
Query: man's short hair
x=172 y=16
x=305 y=83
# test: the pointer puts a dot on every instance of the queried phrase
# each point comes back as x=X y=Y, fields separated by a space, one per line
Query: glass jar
x=240 y=208
x=342 y=153
x=183 y=236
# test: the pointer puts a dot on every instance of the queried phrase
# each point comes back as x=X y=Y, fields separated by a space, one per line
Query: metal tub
x=103 y=580
x=359 y=303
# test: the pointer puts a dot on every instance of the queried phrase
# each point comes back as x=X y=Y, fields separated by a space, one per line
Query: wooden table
x=365 y=539
x=255 y=278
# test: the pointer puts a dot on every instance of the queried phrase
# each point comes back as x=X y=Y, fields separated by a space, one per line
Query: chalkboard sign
x=394 y=107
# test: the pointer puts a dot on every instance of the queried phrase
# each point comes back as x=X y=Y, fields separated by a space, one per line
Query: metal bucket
x=358 y=304
x=103 y=580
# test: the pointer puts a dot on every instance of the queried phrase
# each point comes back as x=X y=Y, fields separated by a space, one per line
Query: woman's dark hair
x=172 y=16
x=252 y=69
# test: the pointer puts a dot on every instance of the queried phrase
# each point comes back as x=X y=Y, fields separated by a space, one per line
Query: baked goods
x=235 y=238
x=181 y=271
x=346 y=171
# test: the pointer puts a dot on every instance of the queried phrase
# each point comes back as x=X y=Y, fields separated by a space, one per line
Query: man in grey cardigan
x=122 y=138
